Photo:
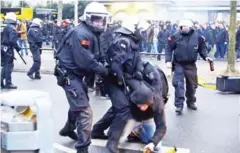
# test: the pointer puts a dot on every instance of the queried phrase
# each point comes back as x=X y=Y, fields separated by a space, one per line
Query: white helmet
x=185 y=22
x=130 y=25
x=36 y=22
x=95 y=11
x=11 y=16
x=135 y=24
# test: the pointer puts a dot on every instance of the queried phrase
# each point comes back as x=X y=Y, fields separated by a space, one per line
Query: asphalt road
x=214 y=128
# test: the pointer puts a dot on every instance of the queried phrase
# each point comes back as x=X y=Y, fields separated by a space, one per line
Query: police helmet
x=96 y=16
x=185 y=22
x=188 y=24
x=11 y=17
x=36 y=22
x=135 y=24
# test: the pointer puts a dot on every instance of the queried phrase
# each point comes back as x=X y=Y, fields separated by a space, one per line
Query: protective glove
x=138 y=75
x=209 y=59
x=150 y=147
x=169 y=65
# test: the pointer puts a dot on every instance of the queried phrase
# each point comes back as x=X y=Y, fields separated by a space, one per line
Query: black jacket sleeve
x=170 y=47
x=160 y=122
x=202 y=49
x=83 y=56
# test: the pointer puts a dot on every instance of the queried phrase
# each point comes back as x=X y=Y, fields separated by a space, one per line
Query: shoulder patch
x=85 y=42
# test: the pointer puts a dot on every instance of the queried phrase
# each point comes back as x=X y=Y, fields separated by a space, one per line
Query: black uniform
x=8 y=43
x=57 y=36
x=35 y=39
x=185 y=49
x=75 y=59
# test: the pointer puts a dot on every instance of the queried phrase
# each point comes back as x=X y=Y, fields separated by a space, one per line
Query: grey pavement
x=214 y=128
x=48 y=64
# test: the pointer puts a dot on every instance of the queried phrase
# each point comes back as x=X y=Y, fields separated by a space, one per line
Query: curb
x=203 y=83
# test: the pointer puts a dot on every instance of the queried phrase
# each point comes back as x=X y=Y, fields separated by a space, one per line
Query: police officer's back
x=8 y=44
x=186 y=44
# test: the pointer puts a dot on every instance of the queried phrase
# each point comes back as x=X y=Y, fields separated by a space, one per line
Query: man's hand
x=169 y=65
x=209 y=59
x=150 y=147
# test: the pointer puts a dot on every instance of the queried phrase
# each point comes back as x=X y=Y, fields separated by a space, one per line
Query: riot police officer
x=35 y=39
x=181 y=55
x=75 y=58
x=8 y=43
x=57 y=37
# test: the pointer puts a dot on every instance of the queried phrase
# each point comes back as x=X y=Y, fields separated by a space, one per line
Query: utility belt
x=65 y=76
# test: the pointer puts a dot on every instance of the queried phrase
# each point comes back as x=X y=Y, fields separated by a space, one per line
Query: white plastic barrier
x=22 y=135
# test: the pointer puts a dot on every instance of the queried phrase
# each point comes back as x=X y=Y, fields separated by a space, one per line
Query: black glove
x=138 y=75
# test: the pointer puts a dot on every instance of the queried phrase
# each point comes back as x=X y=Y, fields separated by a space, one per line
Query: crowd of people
x=155 y=39
x=215 y=34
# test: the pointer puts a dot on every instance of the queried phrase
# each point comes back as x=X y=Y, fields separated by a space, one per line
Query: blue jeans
x=154 y=47
x=23 y=44
x=145 y=129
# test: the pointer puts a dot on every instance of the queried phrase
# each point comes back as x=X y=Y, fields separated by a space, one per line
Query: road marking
x=69 y=150
x=63 y=148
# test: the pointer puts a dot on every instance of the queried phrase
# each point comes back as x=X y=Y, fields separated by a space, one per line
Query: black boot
x=11 y=86
x=68 y=130
x=179 y=110
x=30 y=76
x=192 y=106
x=100 y=135
x=2 y=85
x=38 y=77
x=82 y=150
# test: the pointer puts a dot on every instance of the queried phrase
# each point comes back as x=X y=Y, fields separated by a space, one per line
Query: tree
x=231 y=70
x=5 y=4
x=23 y=3
x=60 y=10
x=68 y=11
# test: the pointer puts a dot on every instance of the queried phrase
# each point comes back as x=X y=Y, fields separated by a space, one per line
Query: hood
x=142 y=95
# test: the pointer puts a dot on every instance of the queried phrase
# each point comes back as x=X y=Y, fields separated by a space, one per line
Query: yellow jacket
x=23 y=31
